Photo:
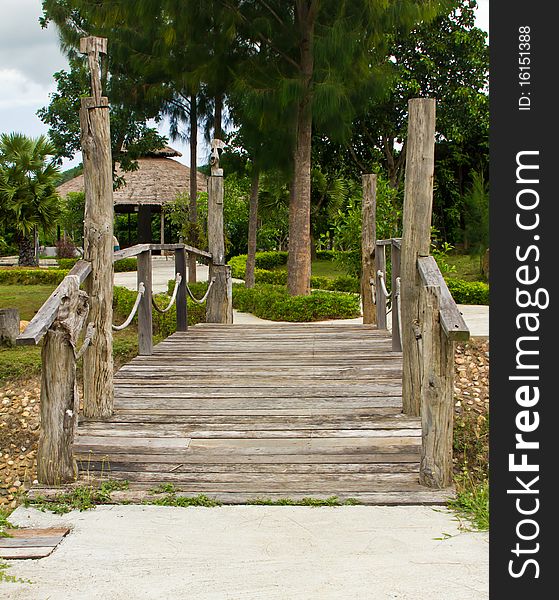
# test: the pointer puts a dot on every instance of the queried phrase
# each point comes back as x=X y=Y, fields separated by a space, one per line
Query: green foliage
x=172 y=499
x=28 y=197
x=71 y=220
x=267 y=271
x=83 y=497
x=476 y=214
x=471 y=454
x=163 y=324
x=35 y=276
x=274 y=303
x=468 y=292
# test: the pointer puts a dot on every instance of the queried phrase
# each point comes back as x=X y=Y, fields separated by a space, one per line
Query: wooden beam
x=380 y=265
x=416 y=240
x=59 y=388
x=46 y=315
x=452 y=321
x=395 y=260
x=145 y=324
x=182 y=310
x=436 y=392
x=368 y=239
x=98 y=238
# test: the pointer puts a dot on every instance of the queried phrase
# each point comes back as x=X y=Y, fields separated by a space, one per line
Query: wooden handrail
x=139 y=248
x=452 y=322
x=46 y=315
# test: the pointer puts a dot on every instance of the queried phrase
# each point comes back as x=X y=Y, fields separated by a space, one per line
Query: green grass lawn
x=468 y=267
x=322 y=268
x=25 y=361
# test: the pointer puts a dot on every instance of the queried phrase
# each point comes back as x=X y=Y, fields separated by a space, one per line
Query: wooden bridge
x=241 y=412
x=244 y=412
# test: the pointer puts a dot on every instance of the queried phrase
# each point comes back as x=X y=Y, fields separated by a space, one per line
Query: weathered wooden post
x=416 y=240
x=441 y=326
x=219 y=307
x=98 y=236
x=380 y=285
x=145 y=318
x=59 y=389
x=9 y=326
x=368 y=242
x=395 y=260
x=182 y=310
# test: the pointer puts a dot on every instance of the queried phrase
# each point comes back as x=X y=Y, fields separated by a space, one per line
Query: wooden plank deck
x=241 y=412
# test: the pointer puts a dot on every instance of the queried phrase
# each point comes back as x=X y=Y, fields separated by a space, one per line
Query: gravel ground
x=20 y=418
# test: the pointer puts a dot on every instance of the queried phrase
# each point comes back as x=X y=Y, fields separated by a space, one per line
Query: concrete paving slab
x=254 y=553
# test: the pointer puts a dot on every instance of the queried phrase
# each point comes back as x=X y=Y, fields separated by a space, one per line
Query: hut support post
x=219 y=308
x=182 y=310
x=98 y=237
x=416 y=240
x=368 y=242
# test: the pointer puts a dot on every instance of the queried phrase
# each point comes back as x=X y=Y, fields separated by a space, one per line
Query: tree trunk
x=299 y=261
x=252 y=227
x=9 y=326
x=218 y=117
x=27 y=256
x=192 y=205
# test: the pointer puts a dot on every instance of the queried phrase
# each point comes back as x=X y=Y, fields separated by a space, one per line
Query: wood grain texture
x=368 y=244
x=98 y=250
x=238 y=412
x=416 y=240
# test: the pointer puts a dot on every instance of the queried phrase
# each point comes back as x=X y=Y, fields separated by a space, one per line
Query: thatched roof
x=158 y=180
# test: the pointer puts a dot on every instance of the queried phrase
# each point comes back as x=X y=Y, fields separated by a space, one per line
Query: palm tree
x=28 y=197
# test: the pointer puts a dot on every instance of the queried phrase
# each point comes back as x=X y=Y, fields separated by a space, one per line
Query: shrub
x=66 y=263
x=274 y=303
x=65 y=248
x=33 y=276
x=468 y=292
x=269 y=260
x=164 y=324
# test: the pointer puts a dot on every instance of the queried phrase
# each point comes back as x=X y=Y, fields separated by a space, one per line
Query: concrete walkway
x=256 y=553
x=476 y=317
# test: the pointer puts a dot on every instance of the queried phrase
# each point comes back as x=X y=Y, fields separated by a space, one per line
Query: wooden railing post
x=396 y=306
x=437 y=392
x=416 y=239
x=98 y=236
x=219 y=307
x=59 y=389
x=368 y=242
x=380 y=265
x=182 y=310
x=145 y=326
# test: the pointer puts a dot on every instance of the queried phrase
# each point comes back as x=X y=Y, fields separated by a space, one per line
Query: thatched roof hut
x=157 y=181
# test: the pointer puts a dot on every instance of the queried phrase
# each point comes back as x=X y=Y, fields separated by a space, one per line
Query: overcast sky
x=30 y=55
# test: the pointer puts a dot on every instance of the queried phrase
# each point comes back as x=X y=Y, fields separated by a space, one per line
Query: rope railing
x=383 y=284
x=398 y=303
x=90 y=332
x=141 y=291
x=178 y=279
x=203 y=299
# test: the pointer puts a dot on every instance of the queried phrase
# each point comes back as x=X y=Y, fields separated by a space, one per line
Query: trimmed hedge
x=31 y=276
x=164 y=324
x=124 y=265
x=468 y=292
x=265 y=261
x=274 y=303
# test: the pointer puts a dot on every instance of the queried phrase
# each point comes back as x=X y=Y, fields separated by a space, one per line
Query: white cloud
x=16 y=90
